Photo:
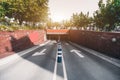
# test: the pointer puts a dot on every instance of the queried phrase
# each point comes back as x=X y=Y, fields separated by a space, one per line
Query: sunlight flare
x=57 y=18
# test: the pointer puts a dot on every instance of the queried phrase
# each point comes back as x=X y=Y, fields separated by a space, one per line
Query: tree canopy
x=106 y=18
x=108 y=15
x=24 y=10
x=81 y=20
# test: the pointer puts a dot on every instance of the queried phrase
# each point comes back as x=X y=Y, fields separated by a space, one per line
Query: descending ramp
x=62 y=34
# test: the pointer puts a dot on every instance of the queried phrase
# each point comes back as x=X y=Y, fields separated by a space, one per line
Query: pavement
x=40 y=63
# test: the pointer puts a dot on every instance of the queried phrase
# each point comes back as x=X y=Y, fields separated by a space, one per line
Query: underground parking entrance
x=62 y=35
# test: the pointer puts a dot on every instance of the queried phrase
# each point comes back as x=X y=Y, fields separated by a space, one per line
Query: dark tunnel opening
x=62 y=37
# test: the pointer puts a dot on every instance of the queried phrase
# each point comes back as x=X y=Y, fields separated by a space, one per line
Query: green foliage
x=3 y=9
x=51 y=25
x=25 y=10
x=13 y=28
x=81 y=20
x=67 y=24
x=108 y=15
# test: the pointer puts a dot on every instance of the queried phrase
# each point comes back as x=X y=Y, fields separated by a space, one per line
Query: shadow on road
x=45 y=61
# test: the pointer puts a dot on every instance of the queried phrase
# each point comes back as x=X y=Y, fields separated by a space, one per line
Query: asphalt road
x=42 y=64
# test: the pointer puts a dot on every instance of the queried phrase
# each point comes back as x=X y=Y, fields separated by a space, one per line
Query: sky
x=63 y=9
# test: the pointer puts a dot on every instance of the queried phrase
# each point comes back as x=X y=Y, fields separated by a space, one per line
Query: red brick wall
x=100 y=41
x=19 y=40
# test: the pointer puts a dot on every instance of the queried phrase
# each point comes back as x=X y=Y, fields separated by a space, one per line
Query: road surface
x=42 y=64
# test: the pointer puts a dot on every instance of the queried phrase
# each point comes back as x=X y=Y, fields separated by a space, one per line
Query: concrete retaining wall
x=20 y=40
x=107 y=43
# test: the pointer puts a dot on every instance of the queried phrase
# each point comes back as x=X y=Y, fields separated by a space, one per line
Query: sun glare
x=57 y=18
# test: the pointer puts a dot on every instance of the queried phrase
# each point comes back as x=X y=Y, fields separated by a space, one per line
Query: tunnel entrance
x=57 y=37
x=62 y=35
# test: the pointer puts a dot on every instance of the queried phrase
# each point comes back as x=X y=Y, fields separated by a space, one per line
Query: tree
x=26 y=10
x=67 y=24
x=112 y=13
x=4 y=9
x=107 y=17
x=81 y=20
